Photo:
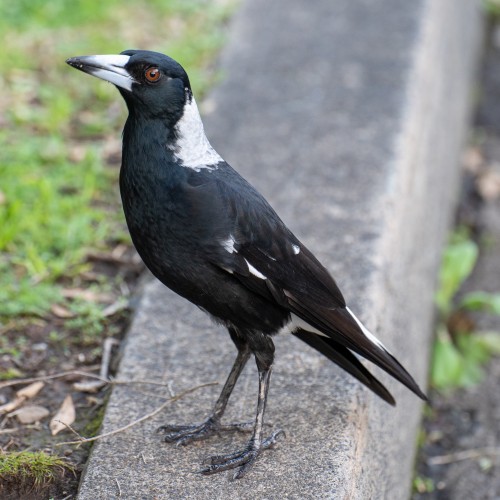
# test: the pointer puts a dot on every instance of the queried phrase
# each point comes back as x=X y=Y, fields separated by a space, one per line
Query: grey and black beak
x=107 y=67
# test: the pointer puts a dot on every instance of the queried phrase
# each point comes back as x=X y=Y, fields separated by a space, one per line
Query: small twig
x=95 y=385
x=106 y=356
x=79 y=436
x=9 y=431
x=130 y=382
x=171 y=389
x=142 y=419
x=118 y=486
x=115 y=307
x=463 y=455
x=152 y=394
x=20 y=381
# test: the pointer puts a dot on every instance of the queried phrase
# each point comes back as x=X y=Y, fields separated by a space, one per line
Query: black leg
x=246 y=458
x=184 y=434
x=239 y=364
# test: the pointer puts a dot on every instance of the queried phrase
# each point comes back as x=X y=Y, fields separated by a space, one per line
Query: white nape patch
x=297 y=323
x=254 y=271
x=229 y=244
x=296 y=249
x=192 y=148
x=367 y=333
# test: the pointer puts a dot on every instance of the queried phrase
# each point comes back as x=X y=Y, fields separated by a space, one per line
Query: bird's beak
x=107 y=67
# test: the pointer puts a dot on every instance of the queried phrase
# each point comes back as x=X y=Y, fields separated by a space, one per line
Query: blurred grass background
x=60 y=134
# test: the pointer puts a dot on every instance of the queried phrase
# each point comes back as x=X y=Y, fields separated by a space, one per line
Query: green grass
x=60 y=134
x=10 y=374
x=423 y=485
x=58 y=183
x=32 y=471
x=492 y=7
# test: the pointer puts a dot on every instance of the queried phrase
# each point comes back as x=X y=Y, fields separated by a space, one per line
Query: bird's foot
x=242 y=459
x=185 y=434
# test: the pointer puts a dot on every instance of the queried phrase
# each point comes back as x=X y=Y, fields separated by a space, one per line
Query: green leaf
x=482 y=301
x=461 y=365
x=490 y=340
x=447 y=363
x=458 y=262
x=474 y=354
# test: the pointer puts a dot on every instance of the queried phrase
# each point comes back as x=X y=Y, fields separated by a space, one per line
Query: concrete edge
x=427 y=170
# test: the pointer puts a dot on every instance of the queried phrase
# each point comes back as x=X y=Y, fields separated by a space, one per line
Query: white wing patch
x=192 y=148
x=367 y=333
x=254 y=271
x=296 y=249
x=297 y=323
x=229 y=244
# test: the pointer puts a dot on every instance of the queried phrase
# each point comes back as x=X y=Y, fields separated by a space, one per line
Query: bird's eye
x=152 y=74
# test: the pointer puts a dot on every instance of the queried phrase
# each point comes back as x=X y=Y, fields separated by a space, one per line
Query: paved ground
x=339 y=114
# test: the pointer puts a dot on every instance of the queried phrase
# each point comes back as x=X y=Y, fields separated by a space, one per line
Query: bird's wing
x=239 y=231
x=251 y=242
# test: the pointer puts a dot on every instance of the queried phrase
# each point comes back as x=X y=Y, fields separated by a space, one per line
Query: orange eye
x=152 y=74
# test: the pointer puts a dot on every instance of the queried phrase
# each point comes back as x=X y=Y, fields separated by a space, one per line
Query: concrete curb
x=349 y=117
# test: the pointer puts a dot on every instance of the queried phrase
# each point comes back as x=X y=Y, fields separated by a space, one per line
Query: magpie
x=210 y=236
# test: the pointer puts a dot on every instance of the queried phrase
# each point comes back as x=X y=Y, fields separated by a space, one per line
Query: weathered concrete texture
x=349 y=117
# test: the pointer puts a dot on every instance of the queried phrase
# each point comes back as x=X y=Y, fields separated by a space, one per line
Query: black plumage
x=207 y=234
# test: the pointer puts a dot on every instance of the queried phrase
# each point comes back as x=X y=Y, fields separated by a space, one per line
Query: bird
x=211 y=237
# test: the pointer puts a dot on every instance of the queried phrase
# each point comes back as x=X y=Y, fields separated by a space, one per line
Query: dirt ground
x=41 y=354
x=461 y=453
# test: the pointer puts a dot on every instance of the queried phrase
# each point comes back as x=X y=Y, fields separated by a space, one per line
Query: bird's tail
x=342 y=328
x=373 y=350
x=344 y=358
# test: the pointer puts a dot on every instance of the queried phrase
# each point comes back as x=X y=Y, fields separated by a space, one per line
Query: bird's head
x=151 y=83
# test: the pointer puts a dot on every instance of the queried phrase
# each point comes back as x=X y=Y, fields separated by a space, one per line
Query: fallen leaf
x=119 y=251
x=65 y=416
x=77 y=153
x=11 y=405
x=114 y=308
x=488 y=185
x=88 y=295
x=89 y=385
x=30 y=391
x=112 y=149
x=92 y=400
x=473 y=159
x=61 y=311
x=30 y=414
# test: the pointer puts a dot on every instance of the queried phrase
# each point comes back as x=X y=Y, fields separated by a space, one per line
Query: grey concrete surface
x=349 y=116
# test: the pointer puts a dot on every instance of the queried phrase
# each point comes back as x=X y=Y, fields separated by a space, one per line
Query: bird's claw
x=242 y=459
x=182 y=435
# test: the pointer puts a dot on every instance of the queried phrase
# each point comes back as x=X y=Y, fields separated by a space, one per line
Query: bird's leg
x=246 y=458
x=184 y=434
